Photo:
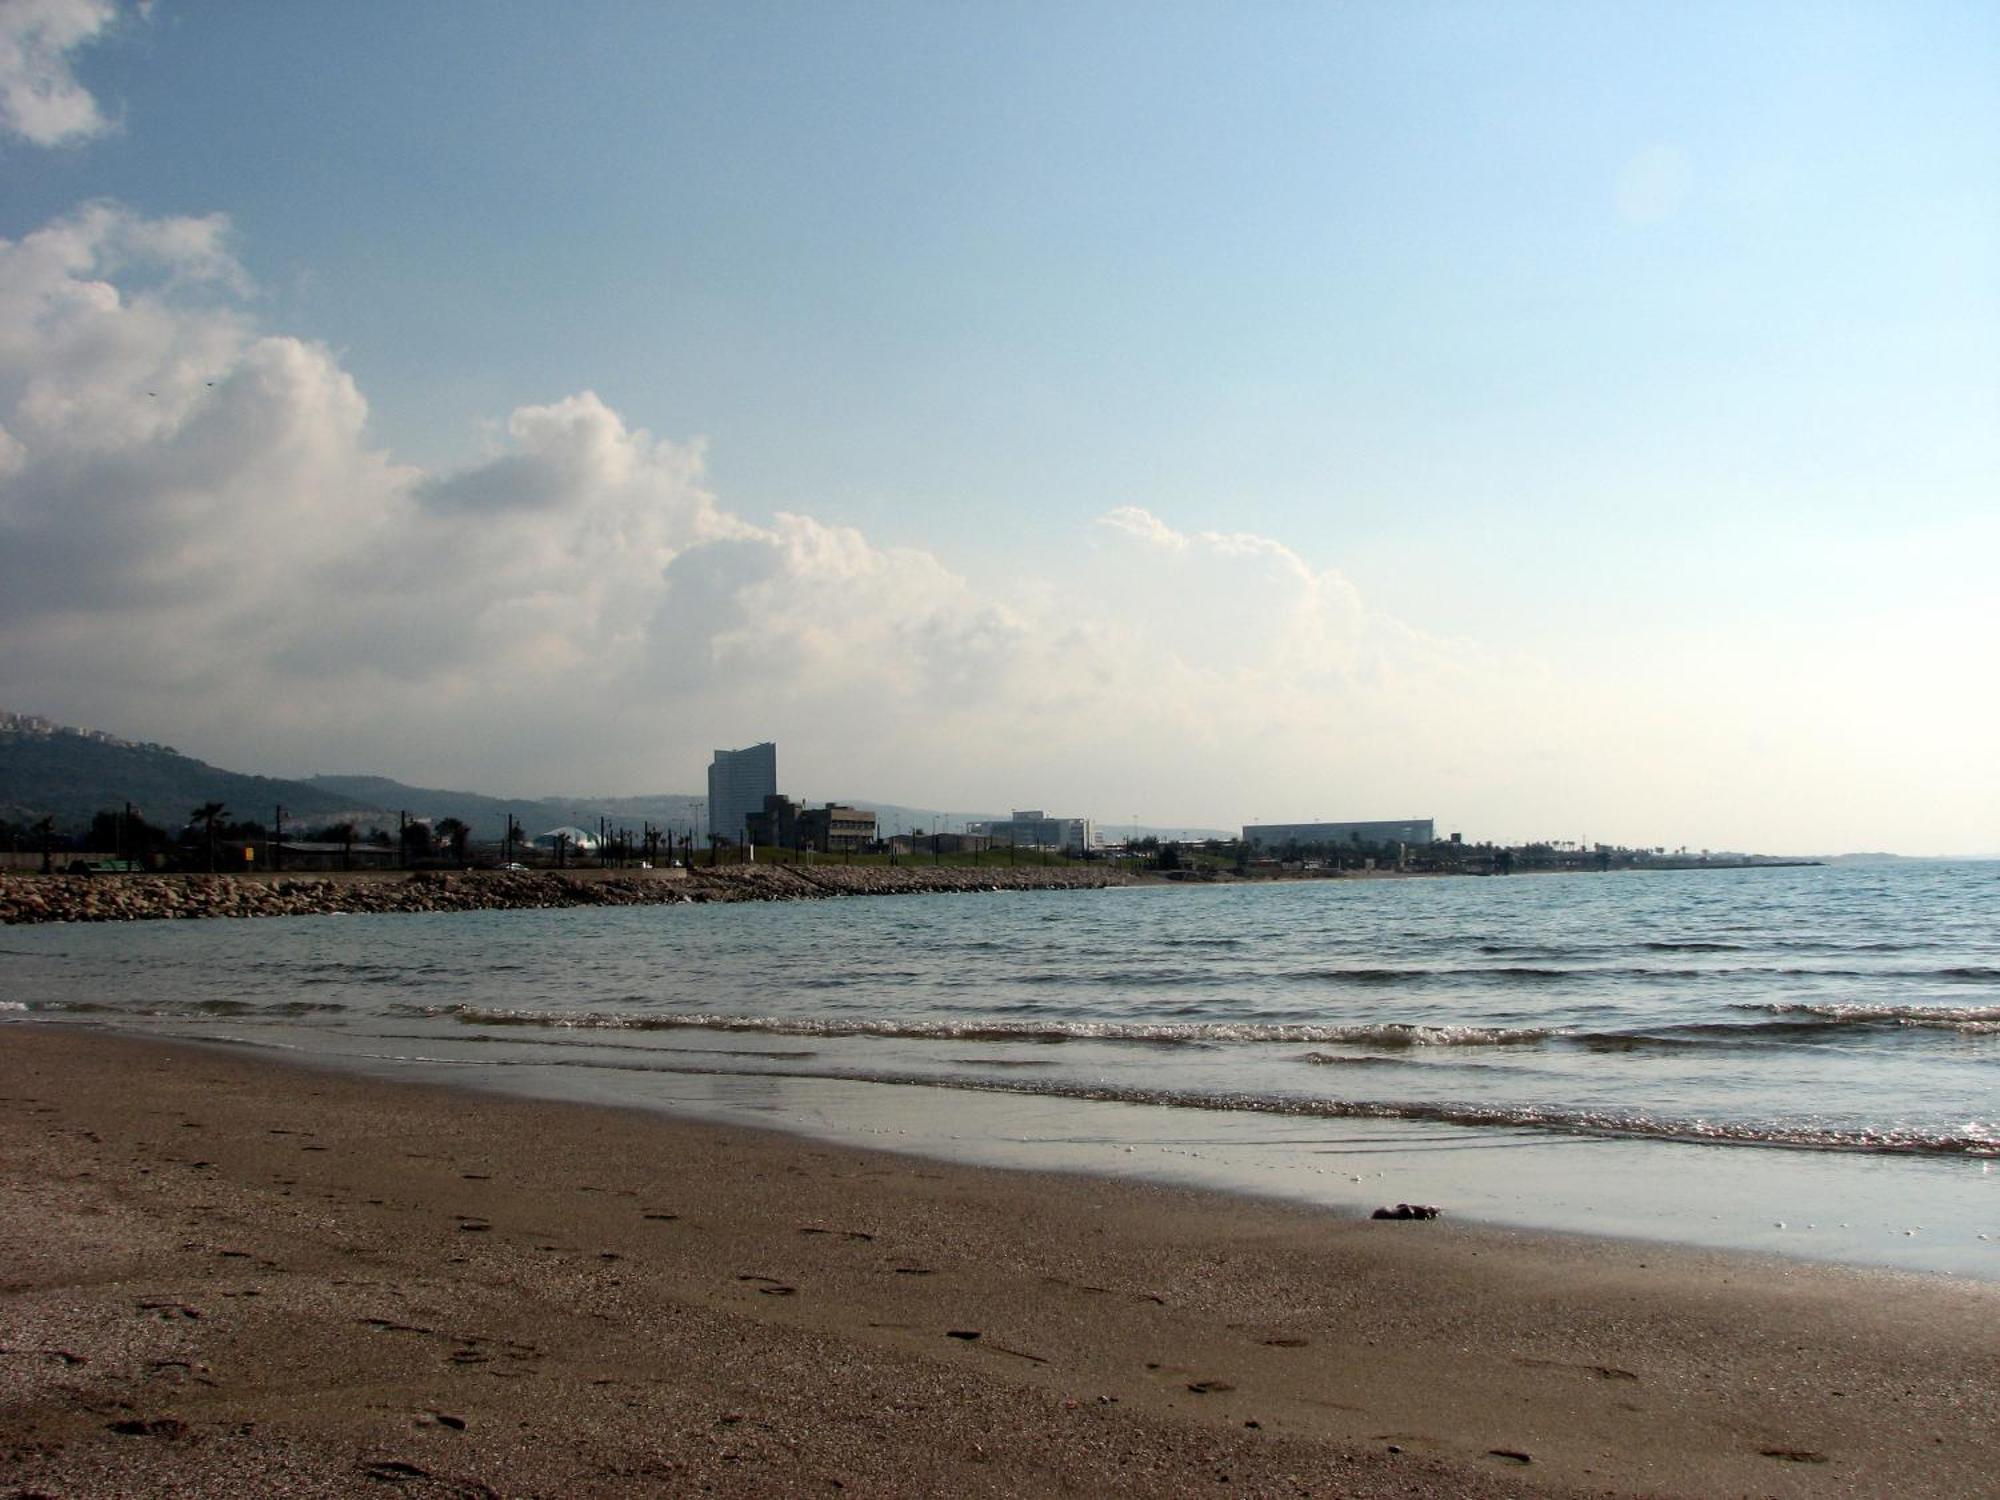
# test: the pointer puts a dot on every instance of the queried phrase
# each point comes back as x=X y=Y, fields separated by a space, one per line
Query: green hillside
x=48 y=771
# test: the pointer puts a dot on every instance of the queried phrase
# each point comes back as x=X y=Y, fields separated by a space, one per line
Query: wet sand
x=221 y=1275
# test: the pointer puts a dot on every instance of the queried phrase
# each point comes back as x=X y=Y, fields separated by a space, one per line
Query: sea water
x=1804 y=1060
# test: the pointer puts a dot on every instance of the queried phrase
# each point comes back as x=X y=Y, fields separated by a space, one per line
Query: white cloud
x=194 y=531
x=40 y=98
x=199 y=544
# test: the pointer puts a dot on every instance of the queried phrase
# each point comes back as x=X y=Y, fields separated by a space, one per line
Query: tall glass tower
x=738 y=783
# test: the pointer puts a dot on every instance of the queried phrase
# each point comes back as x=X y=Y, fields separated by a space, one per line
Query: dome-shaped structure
x=569 y=837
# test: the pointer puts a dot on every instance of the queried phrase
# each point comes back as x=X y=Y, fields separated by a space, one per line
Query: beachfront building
x=833 y=828
x=738 y=783
x=939 y=843
x=784 y=824
x=568 y=837
x=1271 y=838
x=775 y=824
x=1031 y=828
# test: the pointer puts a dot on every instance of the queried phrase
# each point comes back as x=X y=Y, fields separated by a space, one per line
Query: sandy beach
x=229 y=1276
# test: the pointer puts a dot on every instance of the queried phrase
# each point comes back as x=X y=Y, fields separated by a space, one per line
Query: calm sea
x=1803 y=1059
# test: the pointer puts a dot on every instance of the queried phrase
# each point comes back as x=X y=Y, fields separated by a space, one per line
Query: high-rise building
x=738 y=783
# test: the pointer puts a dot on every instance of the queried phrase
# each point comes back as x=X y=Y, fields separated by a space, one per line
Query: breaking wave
x=1169 y=1033
x=1970 y=1020
x=1975 y=1139
x=1795 y=1022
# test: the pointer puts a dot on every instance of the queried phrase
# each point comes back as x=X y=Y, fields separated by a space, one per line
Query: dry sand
x=220 y=1275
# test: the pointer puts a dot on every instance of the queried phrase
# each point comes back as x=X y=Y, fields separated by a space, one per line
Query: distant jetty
x=136 y=898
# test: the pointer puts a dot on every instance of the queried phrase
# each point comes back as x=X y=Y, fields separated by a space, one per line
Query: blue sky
x=1630 y=344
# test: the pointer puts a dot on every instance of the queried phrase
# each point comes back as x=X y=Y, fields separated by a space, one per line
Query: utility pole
x=278 y=839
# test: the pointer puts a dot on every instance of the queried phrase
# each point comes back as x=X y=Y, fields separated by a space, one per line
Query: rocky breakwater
x=132 y=898
x=792 y=882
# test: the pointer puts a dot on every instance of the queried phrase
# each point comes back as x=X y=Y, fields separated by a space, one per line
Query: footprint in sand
x=169 y=1310
x=159 y=1427
x=1602 y=1372
x=1794 y=1455
x=394 y=1470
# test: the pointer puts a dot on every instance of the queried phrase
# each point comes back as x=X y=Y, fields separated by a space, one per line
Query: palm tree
x=209 y=814
x=454 y=832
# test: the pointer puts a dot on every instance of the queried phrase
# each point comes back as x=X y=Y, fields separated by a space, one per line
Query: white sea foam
x=1193 y=1033
x=1973 y=1020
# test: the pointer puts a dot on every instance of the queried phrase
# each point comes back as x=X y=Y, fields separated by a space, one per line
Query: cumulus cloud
x=40 y=98
x=199 y=543
x=155 y=444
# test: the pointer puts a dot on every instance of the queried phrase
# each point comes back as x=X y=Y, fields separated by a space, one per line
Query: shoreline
x=229 y=1274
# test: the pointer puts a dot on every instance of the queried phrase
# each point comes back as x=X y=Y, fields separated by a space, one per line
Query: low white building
x=1031 y=828
x=1276 y=836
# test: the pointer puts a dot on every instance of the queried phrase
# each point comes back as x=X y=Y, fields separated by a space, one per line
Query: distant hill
x=487 y=816
x=677 y=811
x=1876 y=857
x=51 y=771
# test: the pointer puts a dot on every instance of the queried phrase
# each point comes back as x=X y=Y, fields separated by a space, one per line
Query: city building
x=1278 y=836
x=775 y=824
x=784 y=824
x=1031 y=828
x=939 y=843
x=738 y=783
x=569 y=839
x=833 y=828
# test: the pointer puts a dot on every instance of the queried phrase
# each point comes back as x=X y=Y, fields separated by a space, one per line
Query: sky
x=1566 y=421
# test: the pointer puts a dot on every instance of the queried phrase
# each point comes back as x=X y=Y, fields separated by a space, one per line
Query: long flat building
x=1031 y=828
x=1308 y=835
